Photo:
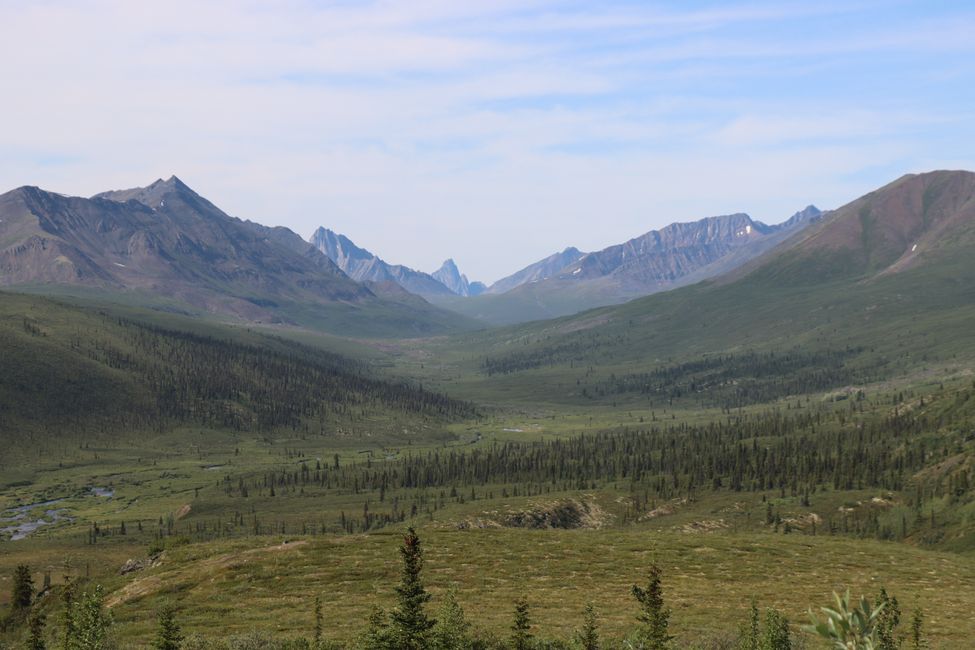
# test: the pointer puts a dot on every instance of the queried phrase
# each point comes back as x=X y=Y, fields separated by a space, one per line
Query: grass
x=709 y=578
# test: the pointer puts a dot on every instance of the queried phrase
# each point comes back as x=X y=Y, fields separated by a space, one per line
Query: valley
x=797 y=426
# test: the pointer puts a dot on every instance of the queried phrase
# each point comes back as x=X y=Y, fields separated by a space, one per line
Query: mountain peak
x=452 y=278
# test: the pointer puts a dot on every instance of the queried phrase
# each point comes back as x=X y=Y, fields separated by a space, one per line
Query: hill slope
x=886 y=282
x=164 y=245
x=73 y=371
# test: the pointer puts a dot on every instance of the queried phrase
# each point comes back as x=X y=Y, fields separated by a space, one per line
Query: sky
x=495 y=133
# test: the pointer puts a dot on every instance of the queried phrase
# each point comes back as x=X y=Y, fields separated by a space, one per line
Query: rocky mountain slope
x=363 y=266
x=451 y=277
x=166 y=245
x=677 y=255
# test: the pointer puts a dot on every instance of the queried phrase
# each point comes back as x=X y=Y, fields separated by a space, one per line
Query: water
x=26 y=521
x=24 y=525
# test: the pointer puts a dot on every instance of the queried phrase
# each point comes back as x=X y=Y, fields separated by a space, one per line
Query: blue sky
x=491 y=132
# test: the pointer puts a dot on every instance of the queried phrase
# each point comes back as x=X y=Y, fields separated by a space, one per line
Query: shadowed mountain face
x=361 y=265
x=165 y=242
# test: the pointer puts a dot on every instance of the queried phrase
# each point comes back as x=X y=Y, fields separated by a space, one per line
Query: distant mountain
x=677 y=255
x=363 y=266
x=450 y=276
x=541 y=270
x=166 y=245
x=662 y=259
x=886 y=280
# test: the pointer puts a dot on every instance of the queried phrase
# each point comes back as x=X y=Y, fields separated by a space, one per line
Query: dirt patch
x=665 y=509
x=704 y=526
x=564 y=514
x=183 y=511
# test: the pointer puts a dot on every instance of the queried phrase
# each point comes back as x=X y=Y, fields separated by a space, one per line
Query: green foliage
x=319 y=621
x=848 y=627
x=654 y=617
x=521 y=635
x=776 y=634
x=748 y=632
x=452 y=630
x=22 y=593
x=587 y=637
x=887 y=622
x=95 y=372
x=169 y=636
x=918 y=642
x=35 y=627
x=409 y=622
x=69 y=626
x=378 y=635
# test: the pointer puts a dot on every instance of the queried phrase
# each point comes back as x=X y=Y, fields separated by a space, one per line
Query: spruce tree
x=917 y=636
x=654 y=617
x=521 y=636
x=748 y=632
x=318 y=621
x=452 y=630
x=588 y=636
x=377 y=635
x=410 y=623
x=169 y=636
x=68 y=624
x=23 y=590
x=35 y=626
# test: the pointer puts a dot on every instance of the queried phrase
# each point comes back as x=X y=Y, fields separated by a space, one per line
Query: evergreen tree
x=35 y=626
x=169 y=636
x=654 y=617
x=318 y=621
x=68 y=624
x=378 y=635
x=452 y=630
x=410 y=624
x=23 y=590
x=748 y=632
x=588 y=636
x=917 y=636
x=521 y=636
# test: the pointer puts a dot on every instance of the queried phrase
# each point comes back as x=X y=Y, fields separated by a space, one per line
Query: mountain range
x=165 y=246
x=677 y=255
x=885 y=281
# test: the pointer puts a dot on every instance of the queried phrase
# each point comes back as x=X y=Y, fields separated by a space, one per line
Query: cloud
x=491 y=132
